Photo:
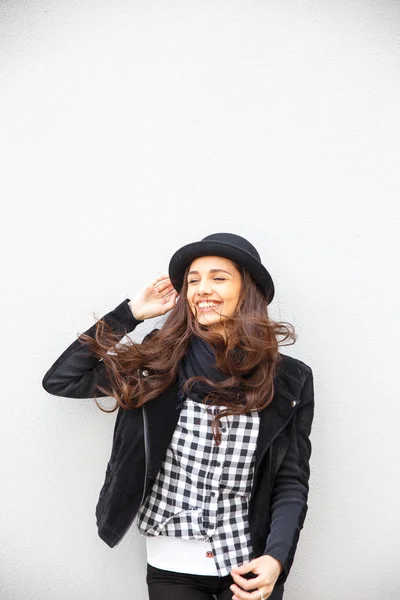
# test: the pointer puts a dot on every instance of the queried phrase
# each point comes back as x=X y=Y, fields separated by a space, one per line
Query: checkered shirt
x=202 y=491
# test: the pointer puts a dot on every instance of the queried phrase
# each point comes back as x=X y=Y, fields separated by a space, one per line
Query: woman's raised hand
x=155 y=299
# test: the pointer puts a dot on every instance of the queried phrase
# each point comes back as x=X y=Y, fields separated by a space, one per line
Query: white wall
x=130 y=128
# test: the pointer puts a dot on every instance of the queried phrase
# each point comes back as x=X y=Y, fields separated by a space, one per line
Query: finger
x=160 y=278
x=164 y=287
x=266 y=594
x=150 y=286
x=163 y=276
x=159 y=289
x=169 y=303
x=169 y=293
x=244 y=567
x=238 y=576
x=163 y=283
x=157 y=281
x=240 y=594
x=246 y=584
x=170 y=298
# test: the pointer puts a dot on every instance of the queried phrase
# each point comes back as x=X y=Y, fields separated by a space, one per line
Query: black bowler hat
x=228 y=245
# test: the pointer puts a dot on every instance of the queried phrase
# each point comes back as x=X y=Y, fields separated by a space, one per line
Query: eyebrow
x=210 y=271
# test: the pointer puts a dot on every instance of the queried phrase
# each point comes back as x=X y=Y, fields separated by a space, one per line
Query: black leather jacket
x=278 y=503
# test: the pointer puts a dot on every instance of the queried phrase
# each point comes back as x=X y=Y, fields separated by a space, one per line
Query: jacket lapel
x=273 y=419
x=162 y=418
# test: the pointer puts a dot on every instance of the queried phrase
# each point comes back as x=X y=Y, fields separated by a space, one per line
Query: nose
x=204 y=287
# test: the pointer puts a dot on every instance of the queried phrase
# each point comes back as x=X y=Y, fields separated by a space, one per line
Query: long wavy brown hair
x=249 y=356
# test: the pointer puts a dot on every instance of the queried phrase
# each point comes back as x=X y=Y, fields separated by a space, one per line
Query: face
x=216 y=279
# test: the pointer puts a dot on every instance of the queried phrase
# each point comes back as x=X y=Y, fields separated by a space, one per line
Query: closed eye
x=215 y=279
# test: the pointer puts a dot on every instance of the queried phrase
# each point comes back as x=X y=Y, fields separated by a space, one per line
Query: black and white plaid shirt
x=202 y=491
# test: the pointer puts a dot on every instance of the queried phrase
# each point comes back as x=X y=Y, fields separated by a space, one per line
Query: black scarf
x=200 y=360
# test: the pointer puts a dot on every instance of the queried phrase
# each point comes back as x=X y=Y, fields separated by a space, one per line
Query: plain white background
x=131 y=128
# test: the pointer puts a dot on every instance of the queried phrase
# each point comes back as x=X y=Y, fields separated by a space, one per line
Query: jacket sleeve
x=290 y=492
x=78 y=372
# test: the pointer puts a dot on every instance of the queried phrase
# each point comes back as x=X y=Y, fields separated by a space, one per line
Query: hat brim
x=183 y=257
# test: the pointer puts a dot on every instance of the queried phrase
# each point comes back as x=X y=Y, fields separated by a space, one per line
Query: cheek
x=231 y=301
x=229 y=297
x=229 y=305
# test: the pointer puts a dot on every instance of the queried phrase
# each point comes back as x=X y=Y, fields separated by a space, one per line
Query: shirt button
x=293 y=403
x=217 y=464
x=223 y=429
x=212 y=493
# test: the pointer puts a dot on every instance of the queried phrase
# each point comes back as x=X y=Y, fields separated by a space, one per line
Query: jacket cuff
x=281 y=555
x=122 y=317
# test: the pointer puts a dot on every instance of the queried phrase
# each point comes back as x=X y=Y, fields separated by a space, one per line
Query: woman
x=211 y=443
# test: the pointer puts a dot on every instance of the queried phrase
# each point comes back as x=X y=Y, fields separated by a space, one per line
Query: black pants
x=170 y=585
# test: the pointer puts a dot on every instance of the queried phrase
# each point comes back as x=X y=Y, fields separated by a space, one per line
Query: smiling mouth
x=206 y=308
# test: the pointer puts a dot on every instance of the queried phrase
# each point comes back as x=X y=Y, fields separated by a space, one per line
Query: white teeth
x=207 y=304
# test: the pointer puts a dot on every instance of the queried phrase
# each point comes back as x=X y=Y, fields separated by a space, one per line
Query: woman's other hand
x=154 y=300
x=268 y=570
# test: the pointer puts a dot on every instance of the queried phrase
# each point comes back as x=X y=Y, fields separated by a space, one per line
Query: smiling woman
x=216 y=504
